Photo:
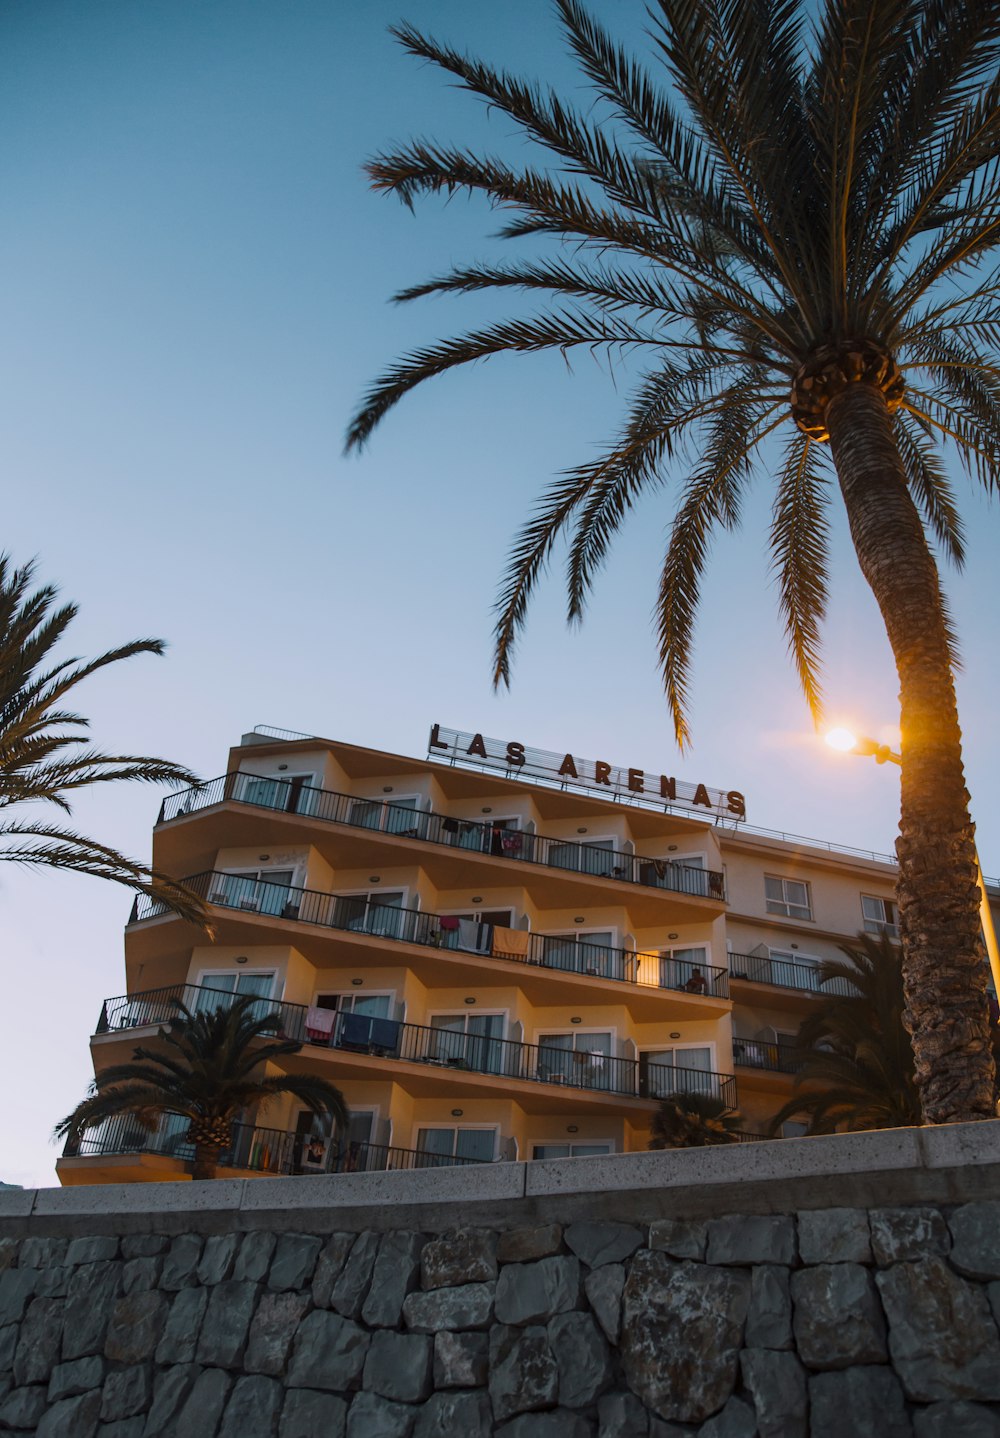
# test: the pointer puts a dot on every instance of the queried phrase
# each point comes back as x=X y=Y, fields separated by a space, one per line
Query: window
x=792 y=970
x=676 y=1070
x=439 y=1147
x=373 y=913
x=595 y=857
x=569 y=1150
x=879 y=915
x=584 y=953
x=467 y=1041
x=580 y=1059
x=688 y=861
x=257 y=981
x=293 y=793
x=789 y=897
x=375 y=1006
x=395 y=816
x=685 y=969
x=473 y=931
x=792 y=1128
x=259 y=891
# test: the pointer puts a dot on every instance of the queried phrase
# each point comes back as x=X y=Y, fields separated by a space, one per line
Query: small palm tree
x=211 y=1066
x=798 y=234
x=693 y=1120
x=857 y=1070
x=42 y=759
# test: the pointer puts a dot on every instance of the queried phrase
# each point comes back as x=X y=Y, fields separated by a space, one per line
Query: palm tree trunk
x=206 y=1161
x=944 y=976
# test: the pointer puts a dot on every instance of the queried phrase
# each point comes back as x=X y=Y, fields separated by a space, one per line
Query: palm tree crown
x=211 y=1066
x=857 y=1069
x=693 y=1120
x=798 y=235
x=44 y=756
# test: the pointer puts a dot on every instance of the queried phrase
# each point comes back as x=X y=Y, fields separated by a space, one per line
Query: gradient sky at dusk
x=195 y=283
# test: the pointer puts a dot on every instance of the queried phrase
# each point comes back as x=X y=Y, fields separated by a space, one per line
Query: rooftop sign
x=613 y=781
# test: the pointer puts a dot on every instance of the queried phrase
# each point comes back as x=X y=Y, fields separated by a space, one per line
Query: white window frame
x=338 y=994
x=310 y=780
x=474 y=914
x=584 y=841
x=456 y=1126
x=384 y=801
x=571 y=1143
x=369 y=894
x=792 y=956
x=465 y=1012
x=787 y=904
x=685 y=859
x=271 y=998
x=680 y=1046
x=578 y=1029
x=611 y=929
x=883 y=925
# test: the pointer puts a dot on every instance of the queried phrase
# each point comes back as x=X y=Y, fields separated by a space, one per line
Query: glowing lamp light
x=842 y=739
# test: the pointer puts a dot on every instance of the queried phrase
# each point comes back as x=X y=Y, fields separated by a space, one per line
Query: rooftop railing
x=289 y=796
x=785 y=974
x=440 y=1048
x=261 y=1150
x=359 y=914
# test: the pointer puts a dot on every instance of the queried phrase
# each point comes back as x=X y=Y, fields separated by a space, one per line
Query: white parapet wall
x=953 y=1163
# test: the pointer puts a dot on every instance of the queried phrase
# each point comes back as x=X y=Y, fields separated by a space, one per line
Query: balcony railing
x=779 y=1057
x=785 y=974
x=291 y=797
x=359 y=914
x=438 y=1048
x=263 y=1150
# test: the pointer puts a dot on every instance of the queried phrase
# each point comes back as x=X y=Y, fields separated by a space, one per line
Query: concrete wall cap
x=396 y=1188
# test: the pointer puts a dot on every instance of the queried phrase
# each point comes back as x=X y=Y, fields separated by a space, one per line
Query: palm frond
x=800 y=547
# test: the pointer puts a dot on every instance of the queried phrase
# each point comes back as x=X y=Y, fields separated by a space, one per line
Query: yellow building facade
x=491 y=962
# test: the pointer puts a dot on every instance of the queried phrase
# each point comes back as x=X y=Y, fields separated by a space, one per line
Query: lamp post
x=848 y=743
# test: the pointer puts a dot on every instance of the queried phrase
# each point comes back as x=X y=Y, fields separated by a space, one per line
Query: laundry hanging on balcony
x=474 y=936
x=510 y=943
x=319 y=1024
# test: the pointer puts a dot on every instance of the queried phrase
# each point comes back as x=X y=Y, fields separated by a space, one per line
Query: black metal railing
x=785 y=974
x=361 y=914
x=290 y=796
x=269 y=1150
x=777 y=1057
x=440 y=1048
x=256 y=1149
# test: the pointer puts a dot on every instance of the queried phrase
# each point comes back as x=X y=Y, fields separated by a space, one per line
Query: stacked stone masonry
x=832 y=1323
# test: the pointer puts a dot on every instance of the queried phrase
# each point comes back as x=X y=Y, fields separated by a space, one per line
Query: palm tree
x=210 y=1067
x=42 y=759
x=857 y=1057
x=693 y=1120
x=801 y=238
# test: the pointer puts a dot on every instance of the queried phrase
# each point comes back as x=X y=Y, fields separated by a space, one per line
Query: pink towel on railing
x=320 y=1022
x=448 y=921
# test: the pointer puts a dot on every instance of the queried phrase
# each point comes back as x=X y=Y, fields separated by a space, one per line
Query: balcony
x=253 y=1149
x=438 y=1052
x=785 y=974
x=353 y=914
x=461 y=836
x=778 y=1057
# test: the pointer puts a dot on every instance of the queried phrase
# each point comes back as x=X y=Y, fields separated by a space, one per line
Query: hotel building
x=495 y=954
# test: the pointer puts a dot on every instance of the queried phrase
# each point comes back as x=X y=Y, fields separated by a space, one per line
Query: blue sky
x=195 y=281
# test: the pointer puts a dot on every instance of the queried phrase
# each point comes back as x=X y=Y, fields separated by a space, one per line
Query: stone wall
x=830 y=1320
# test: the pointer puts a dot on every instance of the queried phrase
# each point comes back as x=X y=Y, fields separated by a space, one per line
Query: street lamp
x=848 y=743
